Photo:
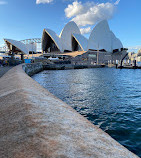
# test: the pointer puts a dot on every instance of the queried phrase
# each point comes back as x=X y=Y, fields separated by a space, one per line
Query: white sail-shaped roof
x=19 y=45
x=103 y=38
x=116 y=43
x=53 y=36
x=100 y=37
x=82 y=41
x=66 y=35
x=120 y=45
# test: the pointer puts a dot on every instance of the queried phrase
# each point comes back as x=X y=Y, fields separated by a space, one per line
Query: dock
x=129 y=67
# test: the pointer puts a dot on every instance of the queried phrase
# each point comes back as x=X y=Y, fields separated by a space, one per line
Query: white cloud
x=117 y=2
x=89 y=13
x=3 y=2
x=74 y=9
x=43 y=1
x=85 y=30
x=134 y=47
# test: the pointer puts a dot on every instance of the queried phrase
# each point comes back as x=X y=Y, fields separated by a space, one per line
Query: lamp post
x=97 y=53
x=32 y=50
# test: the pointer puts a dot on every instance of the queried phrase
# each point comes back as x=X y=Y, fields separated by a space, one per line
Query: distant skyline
x=26 y=19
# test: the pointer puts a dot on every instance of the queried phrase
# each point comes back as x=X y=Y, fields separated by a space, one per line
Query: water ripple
x=109 y=98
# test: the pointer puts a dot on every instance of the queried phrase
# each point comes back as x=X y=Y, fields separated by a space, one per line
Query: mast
x=97 y=53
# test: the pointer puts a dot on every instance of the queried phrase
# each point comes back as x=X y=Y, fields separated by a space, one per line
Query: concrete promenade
x=36 y=124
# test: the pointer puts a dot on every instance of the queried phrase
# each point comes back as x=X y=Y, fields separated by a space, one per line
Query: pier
x=129 y=67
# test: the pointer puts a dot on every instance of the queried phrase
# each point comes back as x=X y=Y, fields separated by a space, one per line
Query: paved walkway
x=3 y=70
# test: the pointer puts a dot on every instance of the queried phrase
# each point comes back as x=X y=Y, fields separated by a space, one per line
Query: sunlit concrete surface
x=36 y=124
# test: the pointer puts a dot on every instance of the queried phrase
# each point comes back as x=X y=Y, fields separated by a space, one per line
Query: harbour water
x=110 y=98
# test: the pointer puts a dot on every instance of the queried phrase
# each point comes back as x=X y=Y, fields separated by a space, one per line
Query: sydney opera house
x=70 y=39
x=102 y=46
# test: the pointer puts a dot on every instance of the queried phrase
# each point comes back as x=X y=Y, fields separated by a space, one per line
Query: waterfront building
x=101 y=47
x=70 y=39
x=18 y=47
x=135 y=56
x=139 y=55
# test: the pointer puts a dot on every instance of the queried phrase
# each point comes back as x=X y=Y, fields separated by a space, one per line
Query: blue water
x=110 y=98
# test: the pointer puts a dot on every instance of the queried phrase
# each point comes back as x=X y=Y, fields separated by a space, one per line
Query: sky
x=24 y=19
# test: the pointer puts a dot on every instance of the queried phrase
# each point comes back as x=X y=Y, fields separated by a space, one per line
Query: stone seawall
x=69 y=66
x=32 y=69
x=36 y=124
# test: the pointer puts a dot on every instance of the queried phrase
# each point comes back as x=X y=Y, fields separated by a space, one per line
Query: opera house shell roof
x=101 y=38
x=66 y=35
x=49 y=35
x=82 y=41
x=19 y=46
x=64 y=40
